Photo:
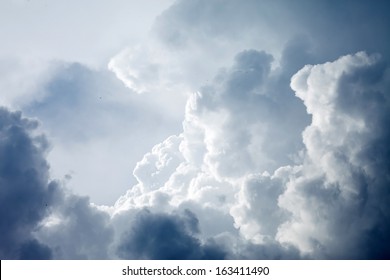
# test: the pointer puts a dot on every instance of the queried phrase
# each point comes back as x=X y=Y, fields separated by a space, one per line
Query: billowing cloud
x=346 y=26
x=190 y=33
x=339 y=198
x=162 y=236
x=75 y=229
x=240 y=113
x=326 y=197
x=26 y=193
x=282 y=155
x=39 y=219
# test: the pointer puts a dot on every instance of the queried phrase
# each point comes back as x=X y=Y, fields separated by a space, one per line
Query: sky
x=194 y=129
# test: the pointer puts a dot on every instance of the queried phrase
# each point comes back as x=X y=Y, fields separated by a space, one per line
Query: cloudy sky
x=194 y=129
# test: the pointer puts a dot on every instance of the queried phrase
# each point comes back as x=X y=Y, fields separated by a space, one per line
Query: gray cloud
x=39 y=220
x=81 y=105
x=189 y=33
x=77 y=230
x=256 y=172
x=26 y=192
x=339 y=199
x=258 y=120
x=342 y=26
x=331 y=201
x=328 y=200
x=33 y=250
x=163 y=236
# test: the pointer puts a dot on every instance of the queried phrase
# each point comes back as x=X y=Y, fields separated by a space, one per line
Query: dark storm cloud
x=82 y=232
x=33 y=250
x=334 y=27
x=166 y=237
x=28 y=199
x=26 y=194
x=270 y=250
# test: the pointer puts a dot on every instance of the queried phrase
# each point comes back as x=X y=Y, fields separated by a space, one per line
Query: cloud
x=282 y=155
x=339 y=197
x=83 y=112
x=163 y=236
x=221 y=189
x=21 y=80
x=26 y=192
x=157 y=166
x=241 y=118
x=190 y=33
x=39 y=219
x=257 y=212
x=328 y=199
x=76 y=229
x=271 y=24
x=234 y=129
x=33 y=250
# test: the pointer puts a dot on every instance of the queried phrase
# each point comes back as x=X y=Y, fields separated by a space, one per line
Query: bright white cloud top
x=275 y=123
